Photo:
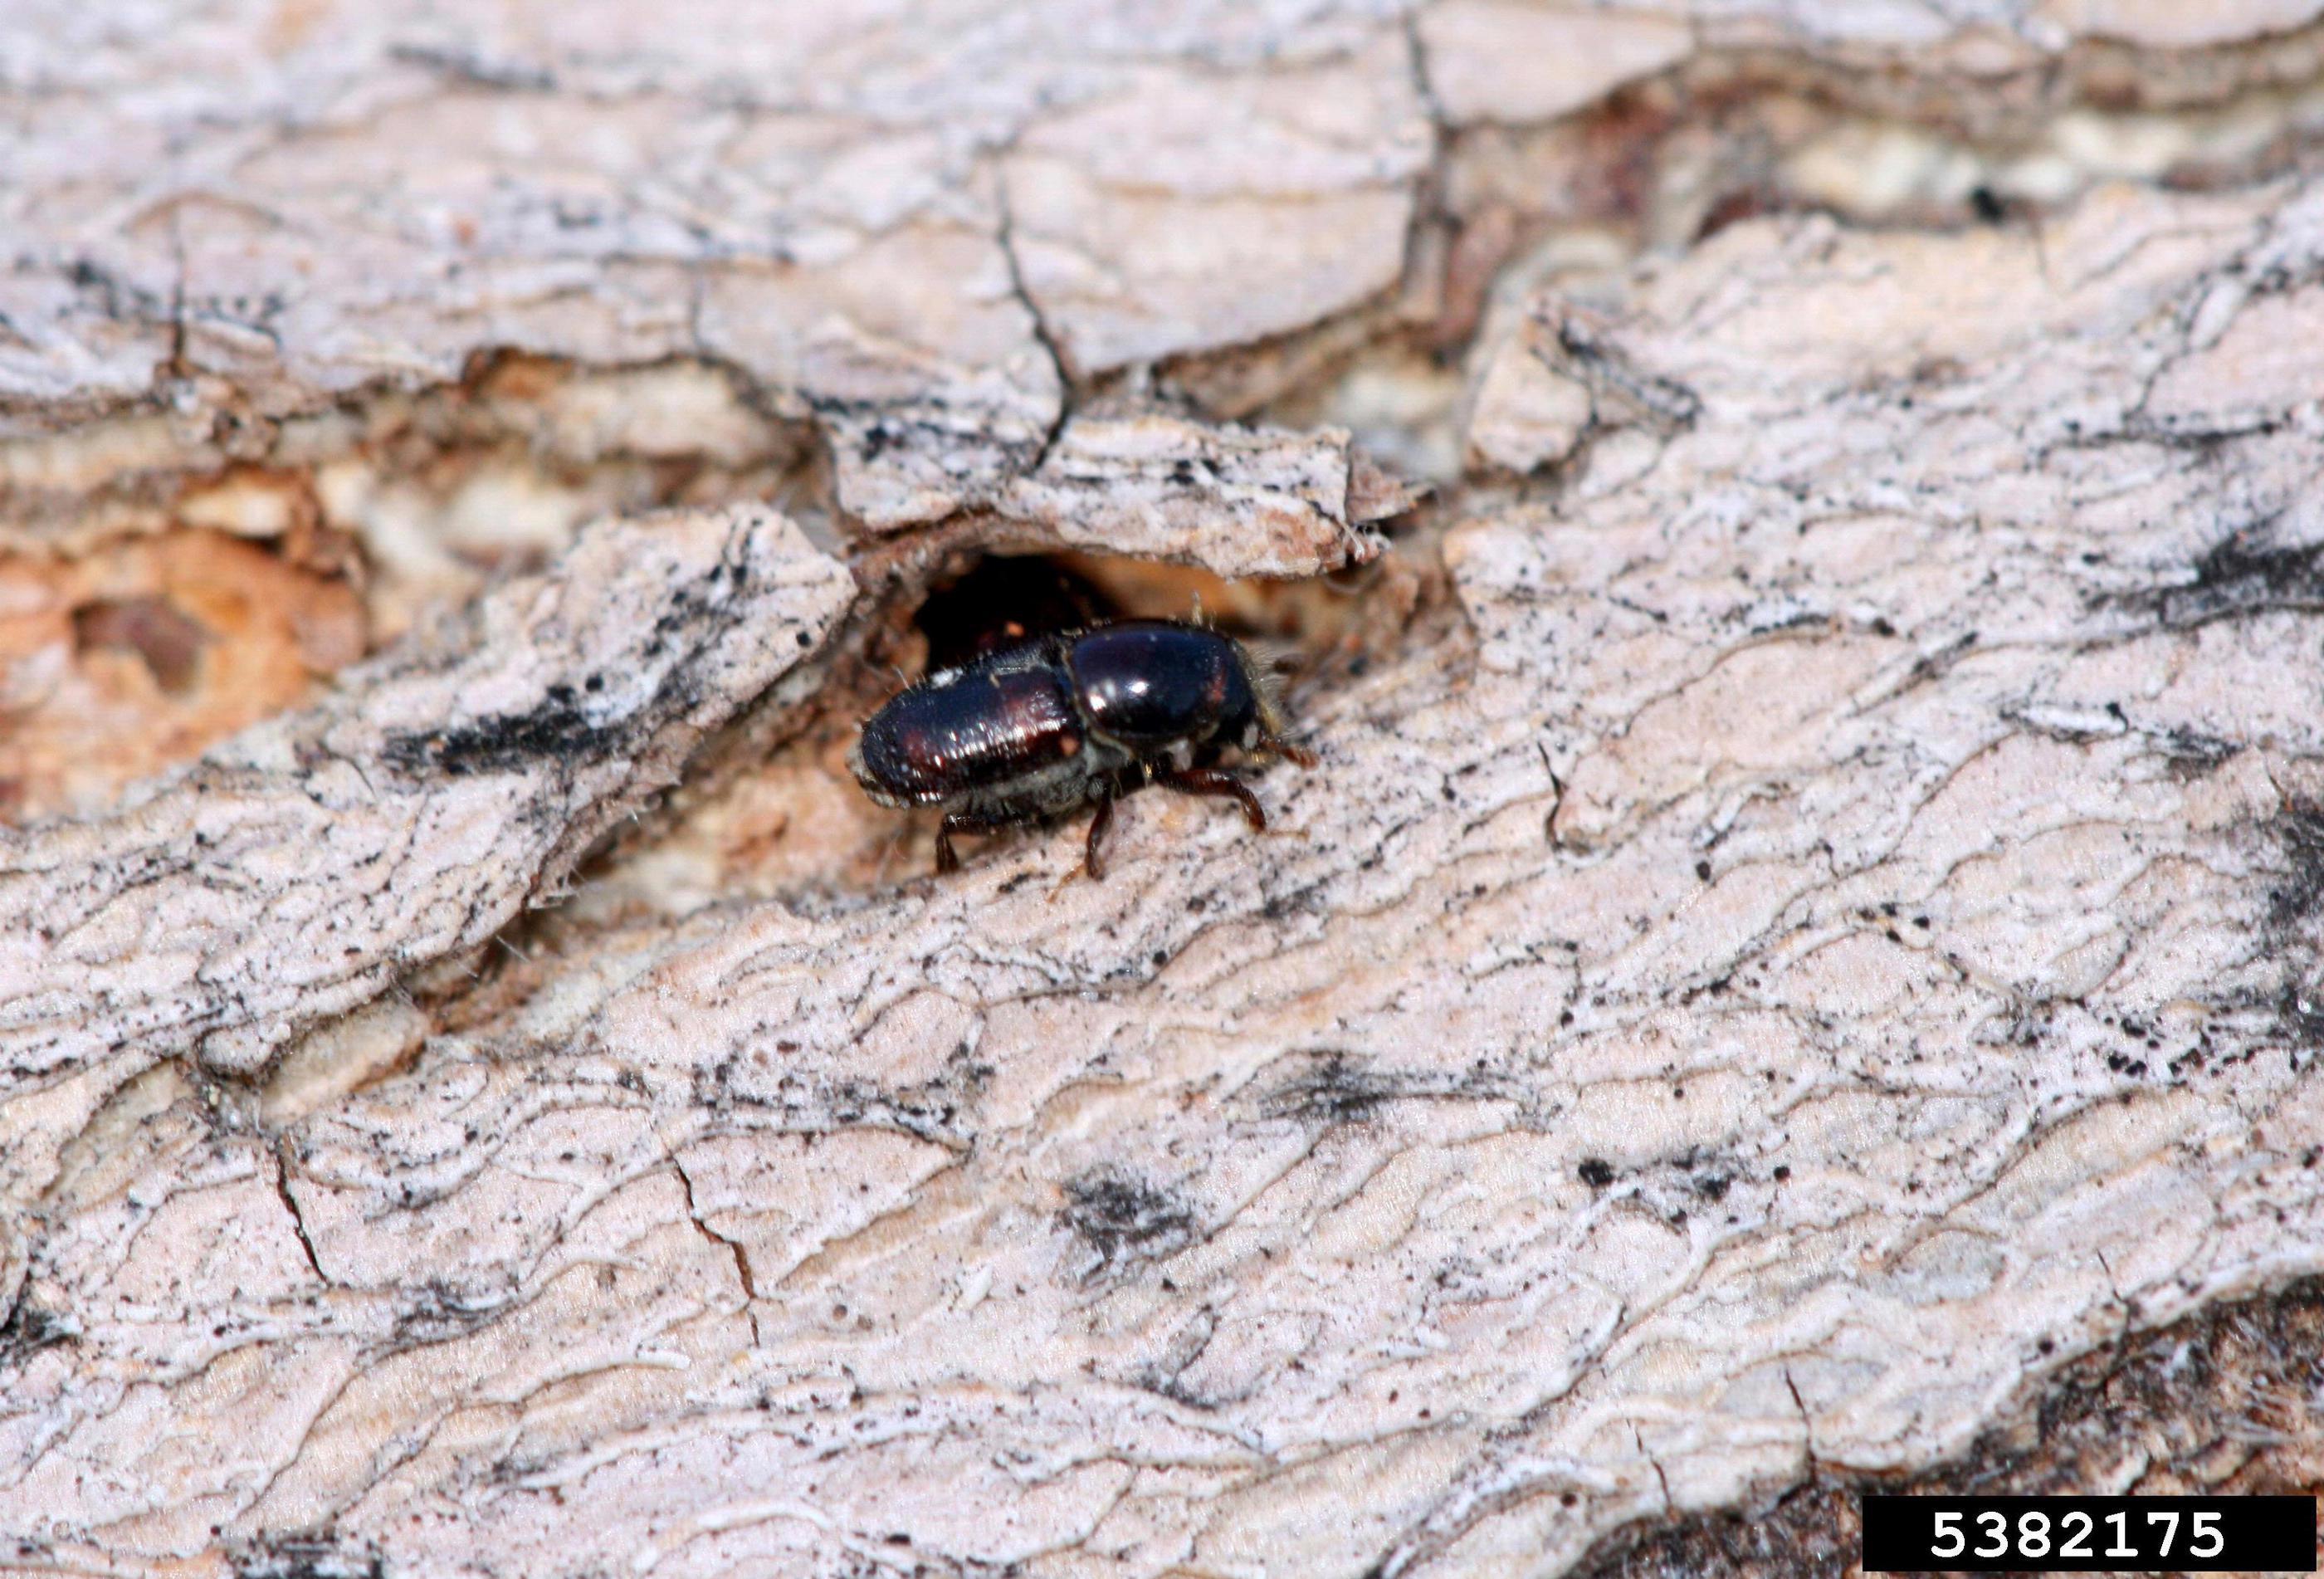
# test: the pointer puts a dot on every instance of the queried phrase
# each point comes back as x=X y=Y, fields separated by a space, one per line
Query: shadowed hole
x=168 y=641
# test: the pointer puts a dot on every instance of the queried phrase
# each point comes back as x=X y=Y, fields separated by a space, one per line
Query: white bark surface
x=1817 y=929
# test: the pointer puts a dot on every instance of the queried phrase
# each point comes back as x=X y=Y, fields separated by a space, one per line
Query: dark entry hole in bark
x=168 y=642
x=1001 y=599
x=1301 y=627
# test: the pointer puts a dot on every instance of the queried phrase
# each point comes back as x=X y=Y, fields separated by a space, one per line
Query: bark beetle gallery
x=1044 y=727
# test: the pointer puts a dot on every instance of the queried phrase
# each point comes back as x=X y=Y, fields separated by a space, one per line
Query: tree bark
x=1805 y=929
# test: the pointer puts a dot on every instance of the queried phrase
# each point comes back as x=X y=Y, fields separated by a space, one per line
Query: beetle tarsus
x=1092 y=862
x=1216 y=781
x=1289 y=753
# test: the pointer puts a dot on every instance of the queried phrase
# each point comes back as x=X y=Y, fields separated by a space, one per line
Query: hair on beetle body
x=1269 y=661
x=1042 y=726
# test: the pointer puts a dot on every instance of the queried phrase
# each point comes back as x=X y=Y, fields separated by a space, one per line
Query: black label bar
x=2078 y=1535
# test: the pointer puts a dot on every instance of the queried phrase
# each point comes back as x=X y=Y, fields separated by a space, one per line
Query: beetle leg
x=1091 y=862
x=948 y=858
x=1212 y=782
x=1288 y=752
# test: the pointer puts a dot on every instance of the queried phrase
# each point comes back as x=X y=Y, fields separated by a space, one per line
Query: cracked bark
x=1803 y=941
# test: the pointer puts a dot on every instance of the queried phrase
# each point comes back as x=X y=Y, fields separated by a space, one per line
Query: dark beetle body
x=1046 y=725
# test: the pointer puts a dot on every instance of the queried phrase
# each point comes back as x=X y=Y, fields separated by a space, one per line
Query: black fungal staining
x=558 y=729
x=2300 y=1015
x=1122 y=1219
x=2297 y=897
x=308 y=1556
x=2280 y=998
x=1340 y=1088
x=562 y=727
x=1337 y=1090
x=31 y=1328
x=2194 y=755
x=1596 y=1172
x=929 y=1111
x=2294 y=901
x=2240 y=576
x=117 y=296
x=438 y=1312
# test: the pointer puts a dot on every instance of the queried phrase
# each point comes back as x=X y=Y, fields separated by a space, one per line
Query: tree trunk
x=1803 y=941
